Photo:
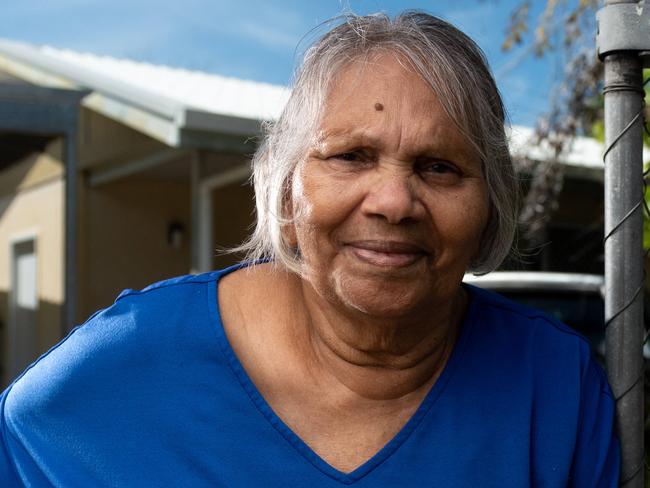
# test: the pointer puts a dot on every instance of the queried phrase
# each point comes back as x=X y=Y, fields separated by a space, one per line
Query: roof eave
x=195 y=119
x=156 y=115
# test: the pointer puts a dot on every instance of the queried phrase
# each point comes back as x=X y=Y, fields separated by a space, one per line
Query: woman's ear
x=288 y=229
x=289 y=235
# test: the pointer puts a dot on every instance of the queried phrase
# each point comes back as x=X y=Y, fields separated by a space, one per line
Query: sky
x=262 y=39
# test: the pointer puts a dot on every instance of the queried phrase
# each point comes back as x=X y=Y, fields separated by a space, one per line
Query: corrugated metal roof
x=203 y=91
x=160 y=101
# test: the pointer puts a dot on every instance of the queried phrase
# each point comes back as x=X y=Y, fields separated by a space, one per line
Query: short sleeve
x=596 y=461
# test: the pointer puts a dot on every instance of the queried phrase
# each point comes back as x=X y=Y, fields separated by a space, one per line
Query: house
x=113 y=174
x=572 y=237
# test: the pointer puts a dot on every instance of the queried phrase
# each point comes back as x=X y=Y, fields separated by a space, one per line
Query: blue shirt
x=149 y=393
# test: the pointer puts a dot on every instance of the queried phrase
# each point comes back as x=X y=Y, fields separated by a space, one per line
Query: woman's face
x=390 y=202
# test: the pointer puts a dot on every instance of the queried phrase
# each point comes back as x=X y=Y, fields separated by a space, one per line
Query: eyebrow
x=345 y=137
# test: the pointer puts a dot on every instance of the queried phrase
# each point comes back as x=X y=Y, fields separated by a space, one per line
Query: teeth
x=388 y=247
x=387 y=259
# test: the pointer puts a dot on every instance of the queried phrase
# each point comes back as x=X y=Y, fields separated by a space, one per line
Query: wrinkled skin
x=390 y=202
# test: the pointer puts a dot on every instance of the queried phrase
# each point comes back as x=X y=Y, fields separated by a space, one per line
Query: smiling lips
x=386 y=253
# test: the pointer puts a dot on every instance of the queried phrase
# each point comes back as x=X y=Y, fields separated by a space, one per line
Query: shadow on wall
x=24 y=161
x=24 y=340
x=4 y=204
x=137 y=232
x=9 y=184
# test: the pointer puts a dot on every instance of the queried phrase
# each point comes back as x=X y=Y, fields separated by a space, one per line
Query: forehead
x=381 y=74
x=384 y=96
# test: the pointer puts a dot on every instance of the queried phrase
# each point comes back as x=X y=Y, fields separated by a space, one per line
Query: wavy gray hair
x=457 y=72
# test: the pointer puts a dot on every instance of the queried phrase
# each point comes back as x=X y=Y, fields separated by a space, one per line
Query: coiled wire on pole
x=642 y=206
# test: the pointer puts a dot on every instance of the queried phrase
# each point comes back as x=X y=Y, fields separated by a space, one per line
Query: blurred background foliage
x=576 y=107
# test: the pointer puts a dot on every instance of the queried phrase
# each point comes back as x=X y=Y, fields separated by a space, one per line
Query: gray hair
x=457 y=72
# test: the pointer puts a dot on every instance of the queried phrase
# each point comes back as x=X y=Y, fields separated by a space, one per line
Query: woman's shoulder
x=530 y=370
x=142 y=331
x=148 y=314
x=254 y=294
x=129 y=371
x=501 y=313
x=252 y=277
x=531 y=338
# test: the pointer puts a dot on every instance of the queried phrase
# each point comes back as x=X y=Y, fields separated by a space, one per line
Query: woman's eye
x=440 y=172
x=349 y=156
x=441 y=168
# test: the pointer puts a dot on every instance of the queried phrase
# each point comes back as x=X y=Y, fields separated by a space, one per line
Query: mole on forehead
x=379 y=107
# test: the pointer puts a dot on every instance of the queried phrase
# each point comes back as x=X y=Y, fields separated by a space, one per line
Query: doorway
x=23 y=306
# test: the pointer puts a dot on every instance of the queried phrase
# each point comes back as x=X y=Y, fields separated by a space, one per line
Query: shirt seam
x=191 y=280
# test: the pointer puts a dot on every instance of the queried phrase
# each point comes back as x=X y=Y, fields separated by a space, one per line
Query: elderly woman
x=347 y=350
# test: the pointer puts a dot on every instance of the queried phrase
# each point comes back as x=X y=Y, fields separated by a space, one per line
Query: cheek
x=317 y=202
x=463 y=221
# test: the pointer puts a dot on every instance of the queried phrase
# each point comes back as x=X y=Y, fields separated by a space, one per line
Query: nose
x=393 y=197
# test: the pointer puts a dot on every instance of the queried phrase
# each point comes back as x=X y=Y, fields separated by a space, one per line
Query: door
x=23 y=307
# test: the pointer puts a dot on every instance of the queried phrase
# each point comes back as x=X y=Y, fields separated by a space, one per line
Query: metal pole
x=624 y=254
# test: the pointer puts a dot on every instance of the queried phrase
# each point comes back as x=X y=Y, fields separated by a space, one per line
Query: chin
x=390 y=298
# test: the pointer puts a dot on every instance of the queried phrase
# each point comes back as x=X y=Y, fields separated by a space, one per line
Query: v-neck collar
x=283 y=429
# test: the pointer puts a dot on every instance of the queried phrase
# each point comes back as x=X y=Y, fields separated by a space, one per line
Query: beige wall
x=233 y=216
x=33 y=170
x=36 y=211
x=104 y=142
x=123 y=225
x=126 y=236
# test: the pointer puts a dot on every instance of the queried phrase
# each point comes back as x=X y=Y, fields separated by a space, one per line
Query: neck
x=381 y=358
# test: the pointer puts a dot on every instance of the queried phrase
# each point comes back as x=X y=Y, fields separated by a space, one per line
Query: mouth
x=389 y=254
